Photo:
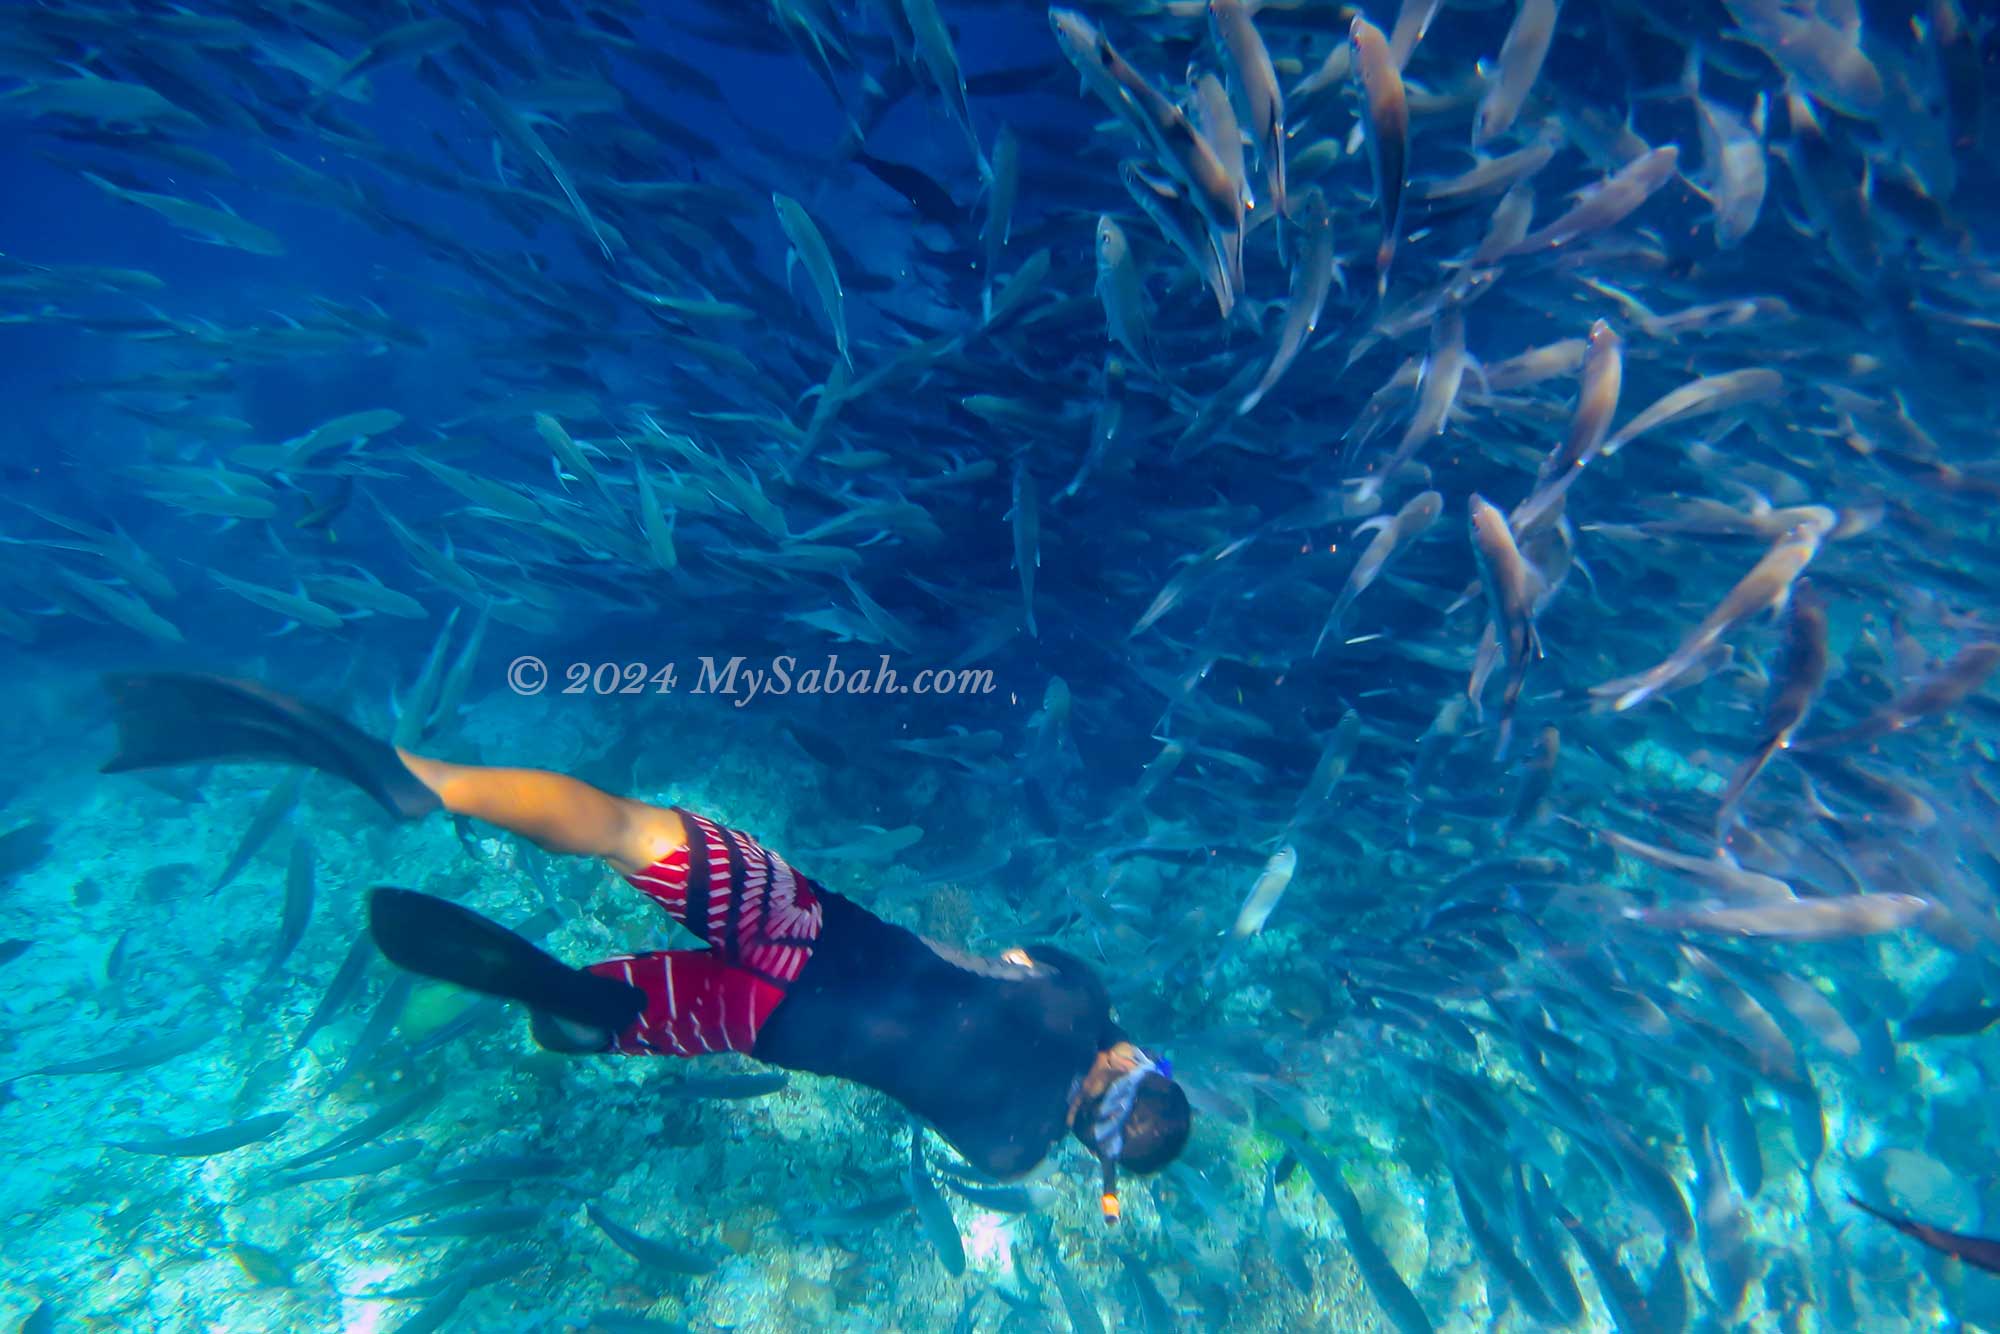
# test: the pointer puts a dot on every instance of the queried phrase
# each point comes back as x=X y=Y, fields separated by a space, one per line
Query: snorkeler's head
x=1156 y=1129
x=1133 y=1116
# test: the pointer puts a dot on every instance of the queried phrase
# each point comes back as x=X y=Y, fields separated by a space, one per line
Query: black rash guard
x=986 y=1052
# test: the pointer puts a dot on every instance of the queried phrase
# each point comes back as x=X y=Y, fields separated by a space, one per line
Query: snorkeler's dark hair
x=1154 y=1132
x=1157 y=1129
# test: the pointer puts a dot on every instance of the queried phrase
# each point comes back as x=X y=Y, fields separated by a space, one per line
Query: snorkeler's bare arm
x=554 y=811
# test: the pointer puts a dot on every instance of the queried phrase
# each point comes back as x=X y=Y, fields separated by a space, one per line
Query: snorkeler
x=1000 y=1057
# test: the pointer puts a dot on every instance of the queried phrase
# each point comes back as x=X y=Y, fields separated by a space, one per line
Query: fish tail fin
x=172 y=718
x=1477 y=369
x=439 y=939
x=1678 y=669
x=1334 y=617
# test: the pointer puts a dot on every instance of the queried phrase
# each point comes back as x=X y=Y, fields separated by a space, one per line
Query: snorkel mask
x=1107 y=1128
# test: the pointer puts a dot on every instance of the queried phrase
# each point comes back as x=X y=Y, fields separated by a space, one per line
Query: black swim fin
x=439 y=939
x=167 y=718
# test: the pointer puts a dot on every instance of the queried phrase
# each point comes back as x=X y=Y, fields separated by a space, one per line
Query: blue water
x=499 y=317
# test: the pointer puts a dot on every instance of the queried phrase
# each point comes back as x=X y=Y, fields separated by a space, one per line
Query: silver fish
x=1331 y=767
x=1718 y=874
x=1158 y=770
x=1607 y=205
x=298 y=902
x=223 y=1139
x=1107 y=427
x=1765 y=587
x=1932 y=693
x=1392 y=537
x=1596 y=405
x=271 y=812
x=1082 y=1312
x=1214 y=117
x=1437 y=393
x=654 y=523
x=1413 y=21
x=1490 y=176
x=1506 y=229
x=492 y=1222
x=1700 y=398
x=1313 y=273
x=1399 y=1305
x=1512 y=589
x=515 y=131
x=106 y=103
x=1283 y=1241
x=1253 y=82
x=142 y=1055
x=1388 y=126
x=667 y=1257
x=933 y=1213
x=365 y=1161
x=1001 y=191
x=126 y=608
x=940 y=61
x=1183 y=226
x=878 y=845
x=1821 y=57
x=293 y=606
x=1732 y=160
x=1795 y=919
x=1122 y=290
x=1264 y=895
x=809 y=246
x=1164 y=127
x=1521 y=56
x=214 y=226
x=1795 y=684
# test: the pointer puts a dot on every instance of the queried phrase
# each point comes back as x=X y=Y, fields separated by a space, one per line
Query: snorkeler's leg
x=167 y=718
x=554 y=811
x=578 y=1009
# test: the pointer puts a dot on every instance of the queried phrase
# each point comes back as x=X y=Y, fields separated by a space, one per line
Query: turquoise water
x=587 y=386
